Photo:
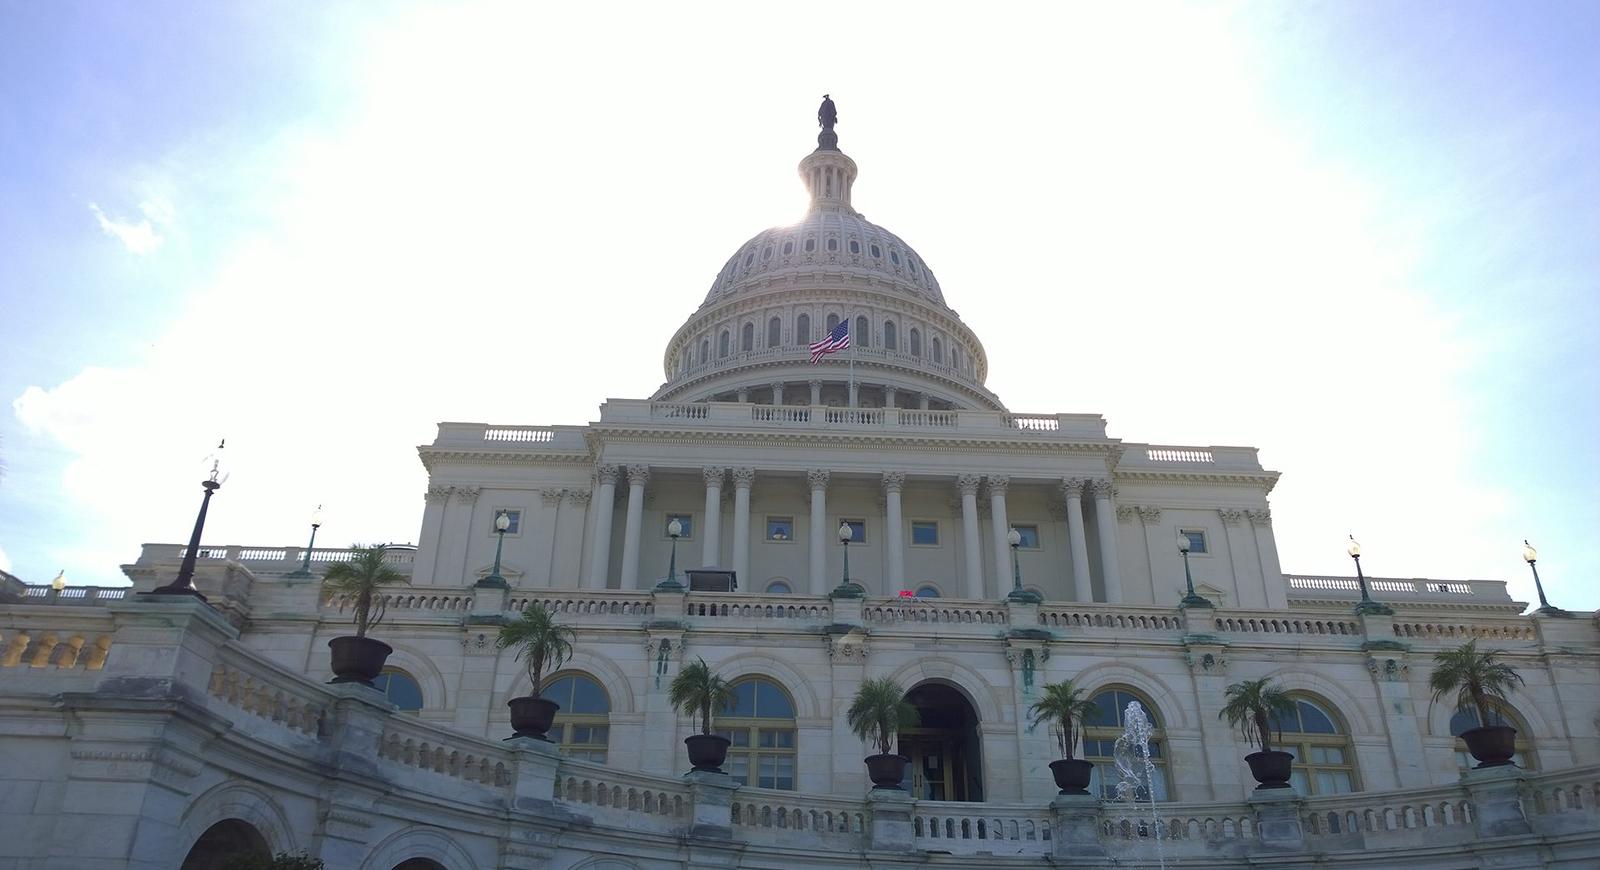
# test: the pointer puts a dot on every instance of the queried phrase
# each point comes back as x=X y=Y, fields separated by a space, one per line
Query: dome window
x=863 y=334
x=774 y=332
x=767 y=254
x=722 y=344
x=855 y=246
x=749 y=258
x=802 y=329
x=747 y=338
x=788 y=248
x=912 y=262
x=811 y=245
x=876 y=251
x=890 y=339
x=894 y=257
x=833 y=244
x=915 y=339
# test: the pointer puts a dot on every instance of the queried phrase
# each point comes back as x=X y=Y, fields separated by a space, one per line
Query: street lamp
x=305 y=564
x=1367 y=605
x=1014 y=538
x=60 y=581
x=184 y=584
x=1530 y=555
x=502 y=521
x=1192 y=599
x=671 y=584
x=847 y=589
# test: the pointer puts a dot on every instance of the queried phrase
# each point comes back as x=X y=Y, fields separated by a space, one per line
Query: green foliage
x=280 y=861
x=698 y=691
x=1064 y=705
x=540 y=641
x=879 y=711
x=1251 y=707
x=360 y=578
x=1476 y=678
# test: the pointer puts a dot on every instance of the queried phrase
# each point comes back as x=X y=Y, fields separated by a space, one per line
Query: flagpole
x=852 y=395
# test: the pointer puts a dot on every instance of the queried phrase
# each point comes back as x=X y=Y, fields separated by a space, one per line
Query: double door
x=937 y=771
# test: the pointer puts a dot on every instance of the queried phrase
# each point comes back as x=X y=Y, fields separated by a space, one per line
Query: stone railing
x=839 y=823
x=585 y=602
x=244 y=682
x=733 y=605
x=631 y=800
x=970 y=828
x=1159 y=457
x=1197 y=823
x=476 y=437
x=1371 y=814
x=1455 y=632
x=90 y=595
x=55 y=649
x=933 y=611
x=270 y=559
x=1266 y=622
x=424 y=746
x=406 y=599
x=1071 y=427
x=1114 y=618
x=801 y=353
x=1397 y=590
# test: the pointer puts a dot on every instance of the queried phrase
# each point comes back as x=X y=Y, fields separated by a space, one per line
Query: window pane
x=771 y=703
x=402 y=691
x=1314 y=721
x=785 y=773
x=560 y=691
x=1106 y=713
x=744 y=700
x=741 y=737
x=1030 y=537
x=1333 y=782
x=780 y=529
x=1297 y=778
x=925 y=534
x=858 y=531
x=588 y=697
x=1197 y=540
x=580 y=734
x=600 y=734
x=927 y=592
x=739 y=768
x=767 y=770
x=778 y=587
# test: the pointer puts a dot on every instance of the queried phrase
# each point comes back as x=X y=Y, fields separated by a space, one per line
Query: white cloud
x=140 y=238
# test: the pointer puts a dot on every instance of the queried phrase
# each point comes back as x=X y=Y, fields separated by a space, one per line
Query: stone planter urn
x=1491 y=745
x=1072 y=775
x=707 y=751
x=887 y=771
x=531 y=717
x=357 y=659
x=1270 y=768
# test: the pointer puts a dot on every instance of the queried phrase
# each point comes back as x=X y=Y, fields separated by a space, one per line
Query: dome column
x=777 y=392
x=637 y=476
x=967 y=485
x=819 y=532
x=1002 y=532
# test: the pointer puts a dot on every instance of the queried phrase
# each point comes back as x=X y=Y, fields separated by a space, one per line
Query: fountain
x=1136 y=778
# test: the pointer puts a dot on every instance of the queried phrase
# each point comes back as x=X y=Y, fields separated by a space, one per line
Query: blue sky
x=1361 y=236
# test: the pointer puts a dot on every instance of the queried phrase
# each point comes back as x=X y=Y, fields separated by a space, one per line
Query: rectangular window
x=858 y=530
x=780 y=528
x=1030 y=537
x=924 y=533
x=685 y=520
x=1197 y=540
x=512 y=514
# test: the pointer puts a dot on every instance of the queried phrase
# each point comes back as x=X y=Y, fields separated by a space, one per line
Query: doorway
x=946 y=763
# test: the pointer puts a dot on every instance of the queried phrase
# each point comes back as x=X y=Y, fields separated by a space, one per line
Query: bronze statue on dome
x=827 y=115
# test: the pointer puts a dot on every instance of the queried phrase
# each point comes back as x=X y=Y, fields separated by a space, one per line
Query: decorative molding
x=638 y=474
x=1150 y=514
x=578 y=496
x=478 y=643
x=1206 y=662
x=713 y=475
x=607 y=474
x=968 y=484
x=817 y=479
x=1388 y=670
x=551 y=496
x=850 y=647
x=894 y=481
x=465 y=494
x=1261 y=517
x=744 y=477
x=998 y=484
x=1102 y=488
x=1231 y=516
x=436 y=494
x=1126 y=513
x=1072 y=487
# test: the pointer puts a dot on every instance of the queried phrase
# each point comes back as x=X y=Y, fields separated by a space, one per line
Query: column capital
x=1262 y=517
x=551 y=496
x=1102 y=487
x=578 y=496
x=817 y=478
x=744 y=477
x=894 y=481
x=638 y=474
x=998 y=484
x=465 y=494
x=713 y=474
x=436 y=494
x=777 y=385
x=1150 y=514
x=814 y=384
x=606 y=473
x=1126 y=513
x=967 y=484
x=1230 y=516
x=1072 y=487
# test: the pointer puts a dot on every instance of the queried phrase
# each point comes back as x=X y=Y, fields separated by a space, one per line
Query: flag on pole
x=833 y=342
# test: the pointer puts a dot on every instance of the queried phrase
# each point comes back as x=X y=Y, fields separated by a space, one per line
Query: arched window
x=855 y=246
x=833 y=244
x=400 y=688
x=915 y=339
x=811 y=245
x=955 y=357
x=722 y=344
x=1324 y=761
x=1499 y=714
x=1100 y=733
x=760 y=725
x=927 y=590
x=705 y=350
x=890 y=340
x=747 y=338
x=779 y=587
x=774 y=332
x=788 y=248
x=802 y=329
x=833 y=320
x=938 y=352
x=863 y=334
x=583 y=724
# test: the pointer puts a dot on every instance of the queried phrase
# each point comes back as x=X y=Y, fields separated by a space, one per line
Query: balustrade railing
x=73 y=594
x=1396 y=590
x=840 y=823
x=728 y=605
x=422 y=745
x=580 y=602
x=970 y=828
x=633 y=800
x=243 y=681
x=1119 y=618
x=936 y=611
x=1264 y=622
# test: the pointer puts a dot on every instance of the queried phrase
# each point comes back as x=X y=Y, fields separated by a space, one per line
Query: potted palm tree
x=356 y=582
x=1252 y=706
x=696 y=691
x=1064 y=705
x=878 y=712
x=1477 y=677
x=542 y=644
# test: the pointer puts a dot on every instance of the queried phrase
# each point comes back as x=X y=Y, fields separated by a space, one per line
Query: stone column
x=542 y=565
x=1105 y=521
x=453 y=567
x=603 y=506
x=1072 y=491
x=816 y=392
x=637 y=475
x=1267 y=552
x=889 y=397
x=777 y=392
x=568 y=548
x=1389 y=677
x=1150 y=525
x=967 y=485
x=742 y=396
x=894 y=535
x=1002 y=531
x=922 y=401
x=711 y=540
x=427 y=558
x=818 y=479
x=855 y=390
x=742 y=479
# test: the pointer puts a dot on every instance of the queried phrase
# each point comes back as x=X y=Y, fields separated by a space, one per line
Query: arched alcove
x=225 y=842
x=944 y=747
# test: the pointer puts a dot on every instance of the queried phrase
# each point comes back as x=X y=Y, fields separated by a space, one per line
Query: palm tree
x=1063 y=703
x=540 y=641
x=879 y=711
x=698 y=691
x=359 y=578
x=1251 y=707
x=1476 y=678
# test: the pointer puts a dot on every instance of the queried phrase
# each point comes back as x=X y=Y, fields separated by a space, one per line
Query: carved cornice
x=1265 y=480
x=894 y=481
x=434 y=457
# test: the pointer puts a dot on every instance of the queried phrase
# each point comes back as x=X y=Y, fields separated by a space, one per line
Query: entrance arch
x=944 y=748
x=419 y=864
x=225 y=842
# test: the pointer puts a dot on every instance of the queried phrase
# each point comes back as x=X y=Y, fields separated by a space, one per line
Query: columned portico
x=894 y=537
x=605 y=498
x=967 y=485
x=711 y=548
x=1072 y=491
x=743 y=478
x=1105 y=521
x=637 y=477
x=817 y=478
x=1001 y=529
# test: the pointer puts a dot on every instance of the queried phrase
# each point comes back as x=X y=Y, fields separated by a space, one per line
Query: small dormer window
x=788 y=248
x=876 y=251
x=855 y=246
x=811 y=245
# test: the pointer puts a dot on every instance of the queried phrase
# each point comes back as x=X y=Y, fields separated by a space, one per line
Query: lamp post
x=502 y=521
x=1192 y=599
x=847 y=589
x=1014 y=538
x=1367 y=605
x=184 y=584
x=1530 y=555
x=305 y=563
x=671 y=584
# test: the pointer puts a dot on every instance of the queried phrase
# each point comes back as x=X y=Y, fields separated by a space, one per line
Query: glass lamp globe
x=1184 y=543
x=316 y=516
x=1354 y=549
x=674 y=528
x=1014 y=537
x=846 y=534
x=502 y=522
x=1529 y=554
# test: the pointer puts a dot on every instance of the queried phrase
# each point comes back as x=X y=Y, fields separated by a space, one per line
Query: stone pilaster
x=890 y=827
x=712 y=796
x=1075 y=828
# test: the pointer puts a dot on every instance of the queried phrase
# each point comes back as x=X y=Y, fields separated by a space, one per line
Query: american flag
x=833 y=342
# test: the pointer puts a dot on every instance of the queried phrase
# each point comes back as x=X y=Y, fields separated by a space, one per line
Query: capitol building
x=876 y=511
